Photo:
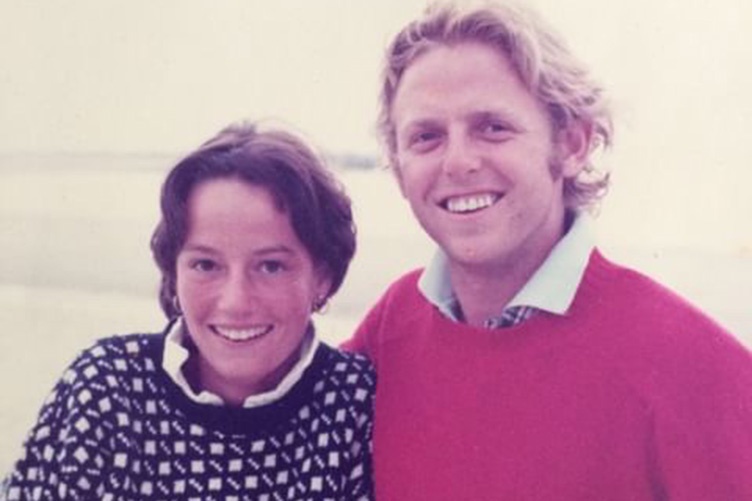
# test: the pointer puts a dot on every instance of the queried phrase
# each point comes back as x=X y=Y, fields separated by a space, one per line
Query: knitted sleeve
x=360 y=476
x=68 y=449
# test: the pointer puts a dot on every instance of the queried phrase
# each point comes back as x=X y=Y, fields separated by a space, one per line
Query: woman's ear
x=573 y=147
x=322 y=288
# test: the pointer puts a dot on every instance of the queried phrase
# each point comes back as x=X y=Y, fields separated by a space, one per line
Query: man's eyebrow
x=495 y=114
x=419 y=123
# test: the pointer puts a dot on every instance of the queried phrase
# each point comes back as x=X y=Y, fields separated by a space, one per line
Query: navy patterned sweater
x=116 y=427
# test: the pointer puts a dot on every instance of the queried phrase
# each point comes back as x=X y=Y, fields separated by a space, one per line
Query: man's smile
x=469 y=203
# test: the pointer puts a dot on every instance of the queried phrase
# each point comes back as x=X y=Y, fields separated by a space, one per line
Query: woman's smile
x=237 y=334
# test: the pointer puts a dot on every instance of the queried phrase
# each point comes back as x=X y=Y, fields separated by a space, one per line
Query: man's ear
x=573 y=147
x=397 y=171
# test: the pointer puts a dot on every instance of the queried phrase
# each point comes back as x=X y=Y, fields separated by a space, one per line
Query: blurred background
x=99 y=99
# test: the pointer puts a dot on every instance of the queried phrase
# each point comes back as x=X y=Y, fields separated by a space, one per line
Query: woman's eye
x=204 y=265
x=271 y=267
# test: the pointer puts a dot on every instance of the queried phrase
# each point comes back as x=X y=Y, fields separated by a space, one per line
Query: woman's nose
x=237 y=294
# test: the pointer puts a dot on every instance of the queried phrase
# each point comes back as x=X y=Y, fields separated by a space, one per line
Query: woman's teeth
x=242 y=334
x=470 y=203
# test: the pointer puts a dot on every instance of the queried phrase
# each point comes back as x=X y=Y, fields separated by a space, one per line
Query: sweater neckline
x=532 y=332
x=177 y=350
x=250 y=421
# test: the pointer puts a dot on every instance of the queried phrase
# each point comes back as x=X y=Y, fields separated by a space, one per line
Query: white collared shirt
x=551 y=288
x=176 y=355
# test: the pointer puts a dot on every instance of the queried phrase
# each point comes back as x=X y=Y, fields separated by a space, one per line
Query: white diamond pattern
x=114 y=428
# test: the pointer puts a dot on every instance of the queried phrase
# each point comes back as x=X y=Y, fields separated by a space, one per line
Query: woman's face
x=246 y=286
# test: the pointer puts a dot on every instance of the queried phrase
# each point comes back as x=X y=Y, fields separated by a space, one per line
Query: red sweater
x=633 y=395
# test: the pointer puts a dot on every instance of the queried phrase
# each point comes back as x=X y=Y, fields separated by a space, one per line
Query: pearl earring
x=321 y=305
x=176 y=305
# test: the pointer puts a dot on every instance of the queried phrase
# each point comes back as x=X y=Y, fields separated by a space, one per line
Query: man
x=521 y=364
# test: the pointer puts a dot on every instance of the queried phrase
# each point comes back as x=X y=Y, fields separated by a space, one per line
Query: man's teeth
x=471 y=203
x=242 y=334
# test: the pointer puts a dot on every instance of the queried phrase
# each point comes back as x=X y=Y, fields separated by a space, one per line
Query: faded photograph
x=98 y=102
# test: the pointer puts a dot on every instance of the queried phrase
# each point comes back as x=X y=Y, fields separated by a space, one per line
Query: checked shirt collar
x=551 y=288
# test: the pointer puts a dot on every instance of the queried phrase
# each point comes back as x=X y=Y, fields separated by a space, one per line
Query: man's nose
x=460 y=157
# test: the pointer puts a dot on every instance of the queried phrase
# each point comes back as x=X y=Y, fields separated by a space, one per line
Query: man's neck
x=483 y=290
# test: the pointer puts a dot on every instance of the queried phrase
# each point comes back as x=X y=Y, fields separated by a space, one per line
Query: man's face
x=477 y=160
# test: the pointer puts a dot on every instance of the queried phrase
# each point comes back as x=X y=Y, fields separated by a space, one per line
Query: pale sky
x=162 y=76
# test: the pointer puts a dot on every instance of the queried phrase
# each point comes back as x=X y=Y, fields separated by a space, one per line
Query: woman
x=237 y=399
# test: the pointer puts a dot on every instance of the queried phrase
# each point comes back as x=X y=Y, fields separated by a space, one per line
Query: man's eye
x=271 y=267
x=495 y=130
x=424 y=140
x=425 y=136
x=495 y=127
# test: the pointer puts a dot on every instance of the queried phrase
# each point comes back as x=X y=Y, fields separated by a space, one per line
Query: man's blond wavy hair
x=541 y=59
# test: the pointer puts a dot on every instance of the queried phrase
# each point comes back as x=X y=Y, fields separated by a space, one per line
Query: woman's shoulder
x=345 y=362
x=123 y=348
x=116 y=355
x=349 y=372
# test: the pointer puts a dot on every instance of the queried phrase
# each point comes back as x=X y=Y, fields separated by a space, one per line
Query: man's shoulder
x=643 y=333
x=648 y=313
x=406 y=284
x=407 y=279
x=399 y=305
x=639 y=288
x=621 y=281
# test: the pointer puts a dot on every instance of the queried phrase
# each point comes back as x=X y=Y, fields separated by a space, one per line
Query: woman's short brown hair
x=319 y=209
